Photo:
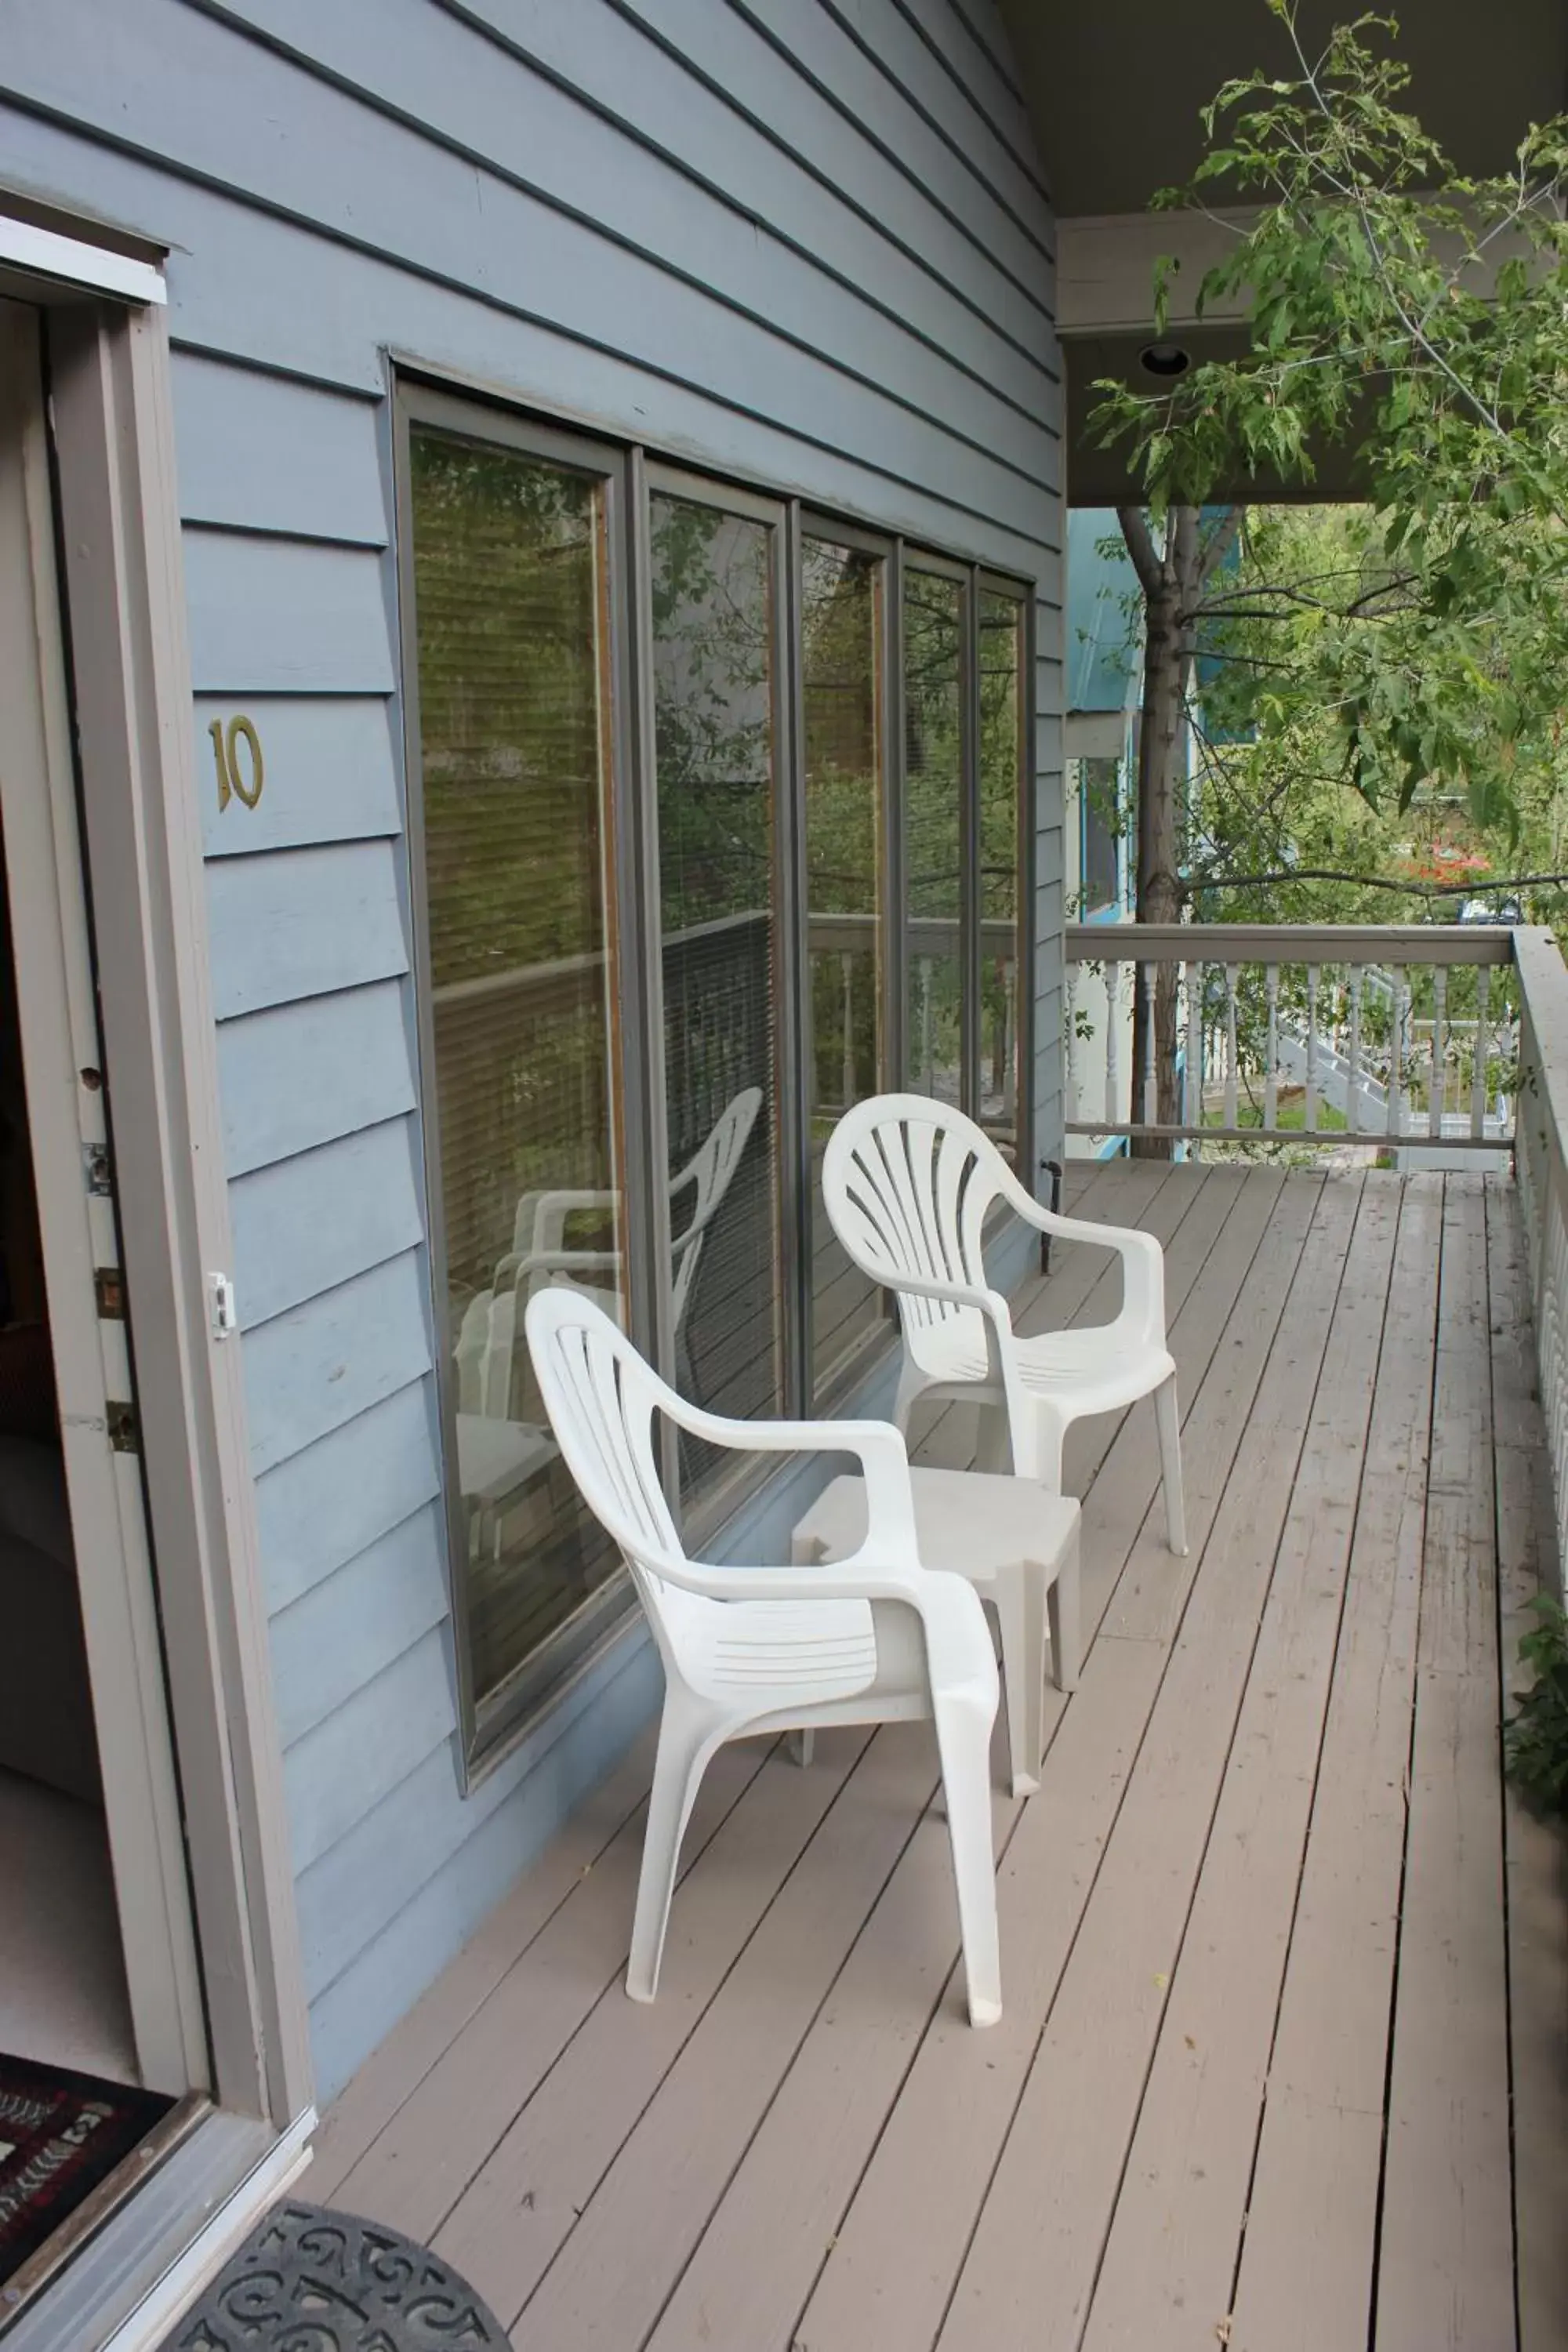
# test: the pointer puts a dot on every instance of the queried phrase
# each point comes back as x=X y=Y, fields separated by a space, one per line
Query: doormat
x=312 y=2280
x=60 y=2136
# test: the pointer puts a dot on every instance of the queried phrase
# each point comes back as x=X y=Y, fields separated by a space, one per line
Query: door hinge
x=98 y=1170
x=124 y=1427
x=225 y=1313
x=109 y=1284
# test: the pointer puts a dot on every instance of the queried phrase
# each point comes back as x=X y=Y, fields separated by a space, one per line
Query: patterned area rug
x=310 y=2280
x=60 y=2135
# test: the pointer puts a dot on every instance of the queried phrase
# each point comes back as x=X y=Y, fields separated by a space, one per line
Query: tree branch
x=1140 y=548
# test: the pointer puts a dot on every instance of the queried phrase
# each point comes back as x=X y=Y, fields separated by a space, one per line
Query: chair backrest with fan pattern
x=908 y=1183
x=600 y=1397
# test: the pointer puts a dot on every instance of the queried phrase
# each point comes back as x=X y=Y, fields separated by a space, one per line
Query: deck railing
x=1399 y=1036
x=1540 y=1163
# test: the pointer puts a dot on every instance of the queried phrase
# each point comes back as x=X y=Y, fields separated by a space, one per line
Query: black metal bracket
x=1054 y=1169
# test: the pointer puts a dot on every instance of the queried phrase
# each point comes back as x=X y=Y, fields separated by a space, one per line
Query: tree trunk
x=1161 y=779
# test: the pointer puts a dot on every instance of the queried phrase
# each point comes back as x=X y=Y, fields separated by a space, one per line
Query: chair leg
x=993 y=1439
x=911 y=1388
x=964 y=1737
x=1020 y=1608
x=1038 y=1454
x=687 y=1739
x=1168 y=1417
x=801 y=1745
x=1067 y=1636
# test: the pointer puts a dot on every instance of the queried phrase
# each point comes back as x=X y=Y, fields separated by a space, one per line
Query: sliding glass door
x=715 y=822
x=508 y=601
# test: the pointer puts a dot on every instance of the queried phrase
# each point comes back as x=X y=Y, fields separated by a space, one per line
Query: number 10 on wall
x=240 y=773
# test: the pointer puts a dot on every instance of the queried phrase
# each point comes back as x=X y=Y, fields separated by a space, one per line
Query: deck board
x=1174 y=2245
x=1269 y=1907
x=1306 y=2268
x=1446 y=2251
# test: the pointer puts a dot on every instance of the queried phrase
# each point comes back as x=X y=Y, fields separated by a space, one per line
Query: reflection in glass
x=714 y=732
x=841 y=633
x=933 y=770
x=1001 y=752
x=509 y=580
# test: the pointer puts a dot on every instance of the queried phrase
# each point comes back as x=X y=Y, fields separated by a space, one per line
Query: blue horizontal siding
x=302 y=1224
x=310 y=1371
x=286 y=616
x=321 y=1507
x=486 y=1842
x=304 y=922
x=312 y=466
x=350 y=1627
x=300 y=1075
x=329 y=773
x=802 y=242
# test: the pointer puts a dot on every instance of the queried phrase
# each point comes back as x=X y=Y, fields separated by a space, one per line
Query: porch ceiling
x=1114 y=91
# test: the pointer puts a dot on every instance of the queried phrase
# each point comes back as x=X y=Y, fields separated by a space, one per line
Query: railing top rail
x=1543 y=985
x=1291 y=943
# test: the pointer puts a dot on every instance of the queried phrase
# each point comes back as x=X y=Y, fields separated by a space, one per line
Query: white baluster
x=1401 y=997
x=1150 y=1085
x=1353 y=1099
x=847 y=973
x=1192 y=1077
x=1113 y=1045
x=1232 y=1060
x=1070 y=1042
x=928 y=1027
x=1311 y=1049
x=1437 y=1087
x=1481 y=1055
x=1271 y=1075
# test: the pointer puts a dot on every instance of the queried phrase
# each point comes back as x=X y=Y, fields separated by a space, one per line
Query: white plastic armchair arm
x=1142 y=1319
x=887 y=1565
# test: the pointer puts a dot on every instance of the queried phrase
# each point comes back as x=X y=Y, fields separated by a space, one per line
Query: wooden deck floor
x=1283 y=2059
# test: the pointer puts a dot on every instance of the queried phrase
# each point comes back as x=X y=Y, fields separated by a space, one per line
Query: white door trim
x=65 y=1119
x=124 y=590
x=27 y=246
x=111 y=417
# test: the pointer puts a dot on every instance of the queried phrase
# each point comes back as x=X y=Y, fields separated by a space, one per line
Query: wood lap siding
x=797 y=239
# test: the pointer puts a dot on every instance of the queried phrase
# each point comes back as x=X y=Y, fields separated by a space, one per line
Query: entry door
x=72 y=1123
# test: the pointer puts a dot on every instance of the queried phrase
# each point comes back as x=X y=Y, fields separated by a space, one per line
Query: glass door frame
x=486 y=1720
x=792 y=1270
x=630 y=478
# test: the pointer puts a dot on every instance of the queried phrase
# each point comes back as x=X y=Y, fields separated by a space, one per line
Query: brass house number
x=240 y=773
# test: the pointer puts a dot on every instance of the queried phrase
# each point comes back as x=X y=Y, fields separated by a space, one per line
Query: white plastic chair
x=909 y=1184
x=871 y=1639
